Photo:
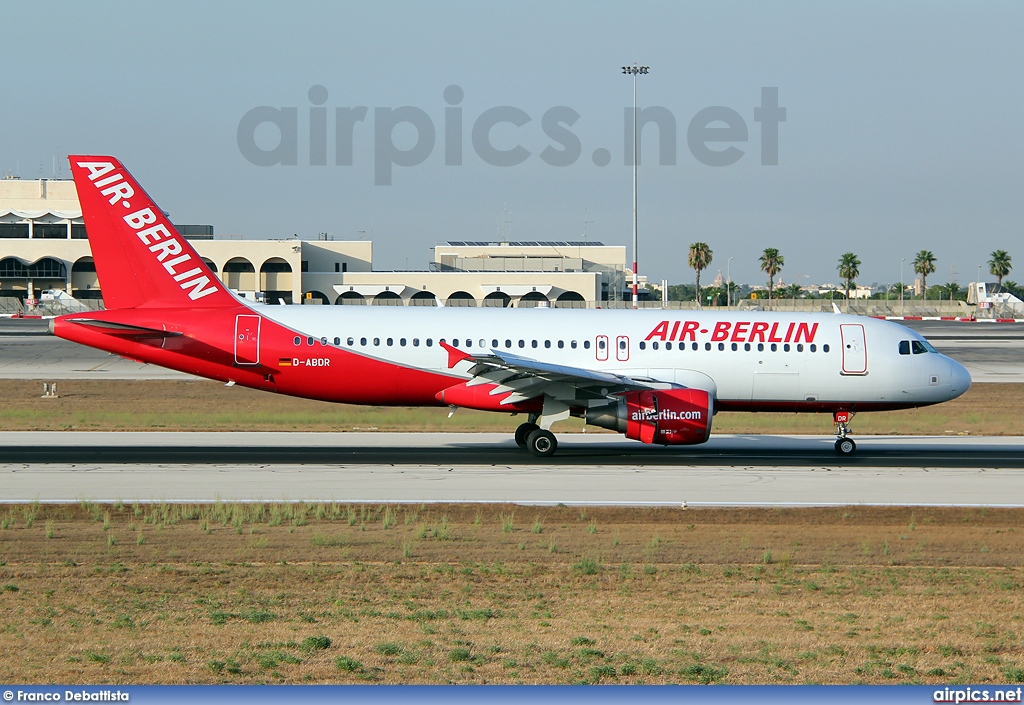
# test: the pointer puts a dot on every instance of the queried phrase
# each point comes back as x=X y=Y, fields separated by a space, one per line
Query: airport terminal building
x=44 y=247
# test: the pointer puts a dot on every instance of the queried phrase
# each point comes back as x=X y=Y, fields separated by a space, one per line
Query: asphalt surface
x=379 y=467
x=498 y=450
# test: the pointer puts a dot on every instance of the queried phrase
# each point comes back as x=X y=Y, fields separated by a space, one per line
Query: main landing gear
x=844 y=444
x=535 y=439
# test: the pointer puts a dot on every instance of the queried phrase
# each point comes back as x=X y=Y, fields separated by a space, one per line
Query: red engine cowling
x=668 y=417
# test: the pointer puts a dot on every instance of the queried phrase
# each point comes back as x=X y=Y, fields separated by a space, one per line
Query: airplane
x=656 y=376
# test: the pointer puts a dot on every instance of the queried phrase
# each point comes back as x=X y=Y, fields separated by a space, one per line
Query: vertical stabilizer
x=141 y=259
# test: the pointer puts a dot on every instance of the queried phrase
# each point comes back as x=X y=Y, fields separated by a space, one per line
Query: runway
x=991 y=352
x=414 y=468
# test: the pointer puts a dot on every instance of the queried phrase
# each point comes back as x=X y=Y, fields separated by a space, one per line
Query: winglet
x=835 y=308
x=140 y=257
x=455 y=356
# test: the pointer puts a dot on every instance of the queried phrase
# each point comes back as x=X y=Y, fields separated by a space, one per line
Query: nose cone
x=959 y=379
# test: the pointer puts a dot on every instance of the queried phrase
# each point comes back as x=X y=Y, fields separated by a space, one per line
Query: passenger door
x=855 y=352
x=247 y=340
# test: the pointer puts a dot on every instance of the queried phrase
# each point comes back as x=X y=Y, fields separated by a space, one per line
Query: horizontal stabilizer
x=124 y=328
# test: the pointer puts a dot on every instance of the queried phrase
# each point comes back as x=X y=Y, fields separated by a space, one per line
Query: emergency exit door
x=247 y=340
x=855 y=352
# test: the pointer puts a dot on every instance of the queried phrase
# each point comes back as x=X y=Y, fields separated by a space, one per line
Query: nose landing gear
x=844 y=444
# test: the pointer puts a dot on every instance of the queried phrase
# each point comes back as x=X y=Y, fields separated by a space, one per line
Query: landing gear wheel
x=523 y=432
x=541 y=443
x=845 y=446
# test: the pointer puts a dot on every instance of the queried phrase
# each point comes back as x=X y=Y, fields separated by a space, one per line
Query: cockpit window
x=904 y=347
x=921 y=346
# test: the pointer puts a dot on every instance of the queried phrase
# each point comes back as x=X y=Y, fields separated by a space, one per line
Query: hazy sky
x=902 y=127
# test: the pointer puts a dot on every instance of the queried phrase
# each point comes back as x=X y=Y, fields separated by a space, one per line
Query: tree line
x=772 y=262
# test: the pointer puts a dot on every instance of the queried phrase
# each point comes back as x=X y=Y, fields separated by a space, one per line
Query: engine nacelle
x=668 y=417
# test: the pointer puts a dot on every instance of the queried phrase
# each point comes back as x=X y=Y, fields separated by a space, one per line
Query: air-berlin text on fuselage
x=161 y=240
x=735 y=332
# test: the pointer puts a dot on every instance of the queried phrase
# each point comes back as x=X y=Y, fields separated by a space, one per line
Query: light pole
x=633 y=71
x=902 y=286
x=728 y=283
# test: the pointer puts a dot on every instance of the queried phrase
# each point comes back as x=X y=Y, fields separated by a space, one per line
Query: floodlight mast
x=633 y=71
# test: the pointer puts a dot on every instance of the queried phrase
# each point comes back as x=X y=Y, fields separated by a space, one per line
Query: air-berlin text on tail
x=162 y=241
x=735 y=331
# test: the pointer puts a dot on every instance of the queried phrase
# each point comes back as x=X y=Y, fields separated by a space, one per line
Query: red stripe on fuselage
x=323 y=372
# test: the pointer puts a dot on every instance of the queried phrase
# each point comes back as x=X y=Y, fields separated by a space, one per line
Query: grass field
x=301 y=593
x=116 y=405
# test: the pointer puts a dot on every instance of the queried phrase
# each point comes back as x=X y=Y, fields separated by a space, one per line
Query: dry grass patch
x=270 y=593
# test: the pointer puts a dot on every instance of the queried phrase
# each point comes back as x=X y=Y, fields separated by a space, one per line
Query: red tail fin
x=141 y=259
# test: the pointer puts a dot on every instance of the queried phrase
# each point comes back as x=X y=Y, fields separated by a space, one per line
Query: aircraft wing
x=527 y=378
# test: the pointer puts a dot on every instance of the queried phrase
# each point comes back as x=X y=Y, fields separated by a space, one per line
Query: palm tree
x=771 y=264
x=849 y=269
x=794 y=291
x=700 y=258
x=950 y=288
x=999 y=266
x=924 y=264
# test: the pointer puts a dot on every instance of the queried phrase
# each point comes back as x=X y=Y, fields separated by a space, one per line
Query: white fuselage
x=746 y=359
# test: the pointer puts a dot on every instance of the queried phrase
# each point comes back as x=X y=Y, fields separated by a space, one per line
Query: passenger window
x=775 y=348
x=643 y=345
x=824 y=348
x=561 y=344
x=351 y=341
x=707 y=346
x=469 y=343
x=572 y=344
x=298 y=340
x=746 y=347
x=323 y=341
x=904 y=347
x=622 y=345
x=695 y=346
x=721 y=347
x=402 y=342
x=522 y=343
x=483 y=343
x=362 y=341
x=814 y=348
x=391 y=341
x=415 y=342
x=799 y=347
x=668 y=346
x=508 y=343
x=600 y=345
x=533 y=343
x=430 y=343
x=494 y=343
x=337 y=341
x=309 y=341
x=586 y=345
x=786 y=347
x=760 y=347
x=547 y=343
x=376 y=341
x=735 y=347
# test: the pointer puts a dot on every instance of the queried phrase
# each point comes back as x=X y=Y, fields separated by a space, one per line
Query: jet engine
x=668 y=417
